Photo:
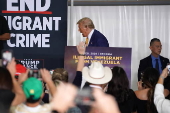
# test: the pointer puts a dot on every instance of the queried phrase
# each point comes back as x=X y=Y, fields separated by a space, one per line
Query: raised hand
x=81 y=48
x=12 y=67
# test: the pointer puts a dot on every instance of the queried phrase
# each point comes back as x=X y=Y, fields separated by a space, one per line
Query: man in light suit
x=155 y=60
x=93 y=37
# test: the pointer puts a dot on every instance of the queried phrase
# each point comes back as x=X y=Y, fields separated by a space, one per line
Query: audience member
x=144 y=101
x=119 y=88
x=11 y=93
x=60 y=76
x=162 y=104
x=96 y=75
x=33 y=90
x=6 y=87
x=62 y=101
x=93 y=37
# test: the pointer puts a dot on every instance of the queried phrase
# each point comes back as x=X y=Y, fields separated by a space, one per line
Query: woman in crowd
x=119 y=88
x=10 y=91
x=144 y=101
x=162 y=104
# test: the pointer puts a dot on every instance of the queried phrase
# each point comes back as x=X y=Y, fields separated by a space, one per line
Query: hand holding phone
x=168 y=66
x=84 y=97
x=34 y=73
x=6 y=57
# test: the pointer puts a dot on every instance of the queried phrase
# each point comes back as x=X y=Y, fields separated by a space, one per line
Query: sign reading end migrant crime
x=38 y=29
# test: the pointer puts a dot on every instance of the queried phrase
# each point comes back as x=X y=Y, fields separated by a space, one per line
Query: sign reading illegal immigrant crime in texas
x=38 y=30
x=108 y=56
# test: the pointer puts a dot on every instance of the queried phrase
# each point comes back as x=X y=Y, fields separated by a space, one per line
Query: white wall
x=126 y=26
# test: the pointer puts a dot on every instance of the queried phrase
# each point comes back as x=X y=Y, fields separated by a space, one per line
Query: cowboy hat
x=97 y=74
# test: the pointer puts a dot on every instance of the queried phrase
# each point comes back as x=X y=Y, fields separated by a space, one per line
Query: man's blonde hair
x=87 y=22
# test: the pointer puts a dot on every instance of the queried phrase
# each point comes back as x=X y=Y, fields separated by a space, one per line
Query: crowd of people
x=106 y=90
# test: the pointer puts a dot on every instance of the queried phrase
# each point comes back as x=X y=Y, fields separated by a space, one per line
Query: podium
x=108 y=56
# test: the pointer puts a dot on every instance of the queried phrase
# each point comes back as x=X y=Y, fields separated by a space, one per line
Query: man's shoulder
x=164 y=58
x=46 y=108
x=98 y=35
x=146 y=58
x=97 y=32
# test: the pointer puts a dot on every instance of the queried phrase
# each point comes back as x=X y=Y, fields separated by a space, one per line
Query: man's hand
x=81 y=48
x=12 y=67
x=64 y=97
x=23 y=76
x=5 y=36
x=46 y=76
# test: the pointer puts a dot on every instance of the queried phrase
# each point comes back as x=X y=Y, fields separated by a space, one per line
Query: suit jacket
x=147 y=62
x=98 y=40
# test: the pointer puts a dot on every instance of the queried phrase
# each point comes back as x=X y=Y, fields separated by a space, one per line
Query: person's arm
x=64 y=97
x=161 y=103
x=5 y=36
x=19 y=94
x=47 y=79
x=5 y=30
x=81 y=50
x=100 y=102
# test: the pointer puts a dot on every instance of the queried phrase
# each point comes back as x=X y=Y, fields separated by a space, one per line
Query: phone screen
x=84 y=97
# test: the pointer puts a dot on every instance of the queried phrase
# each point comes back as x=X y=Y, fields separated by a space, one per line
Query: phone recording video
x=84 y=97
x=6 y=57
x=168 y=66
x=34 y=73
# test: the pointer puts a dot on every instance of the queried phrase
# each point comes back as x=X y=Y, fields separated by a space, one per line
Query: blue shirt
x=154 y=63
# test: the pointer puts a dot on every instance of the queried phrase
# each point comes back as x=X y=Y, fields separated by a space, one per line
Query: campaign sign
x=108 y=56
x=38 y=29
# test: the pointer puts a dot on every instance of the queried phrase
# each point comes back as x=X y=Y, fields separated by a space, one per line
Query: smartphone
x=168 y=66
x=6 y=57
x=84 y=97
x=34 y=73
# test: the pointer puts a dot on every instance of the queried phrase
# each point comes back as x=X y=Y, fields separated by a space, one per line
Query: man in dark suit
x=155 y=60
x=93 y=37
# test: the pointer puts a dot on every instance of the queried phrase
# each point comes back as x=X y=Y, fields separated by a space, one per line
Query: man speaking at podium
x=93 y=37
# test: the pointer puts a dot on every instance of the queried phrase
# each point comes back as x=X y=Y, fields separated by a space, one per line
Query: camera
x=34 y=73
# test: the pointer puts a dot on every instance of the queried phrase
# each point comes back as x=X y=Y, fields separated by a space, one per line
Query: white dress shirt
x=90 y=34
x=94 y=86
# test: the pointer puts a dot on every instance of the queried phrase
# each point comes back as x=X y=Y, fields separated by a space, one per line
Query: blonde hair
x=59 y=74
x=87 y=22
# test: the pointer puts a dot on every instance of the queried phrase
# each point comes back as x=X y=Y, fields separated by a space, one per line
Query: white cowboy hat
x=97 y=74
